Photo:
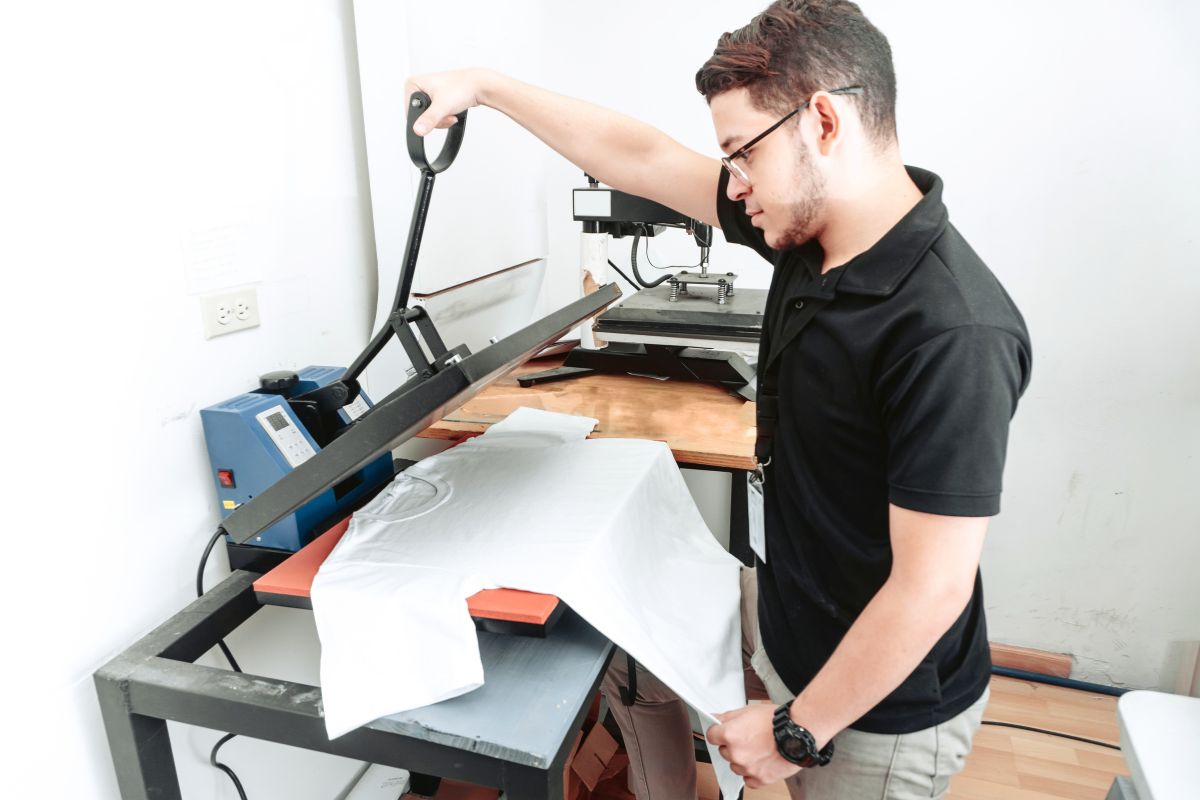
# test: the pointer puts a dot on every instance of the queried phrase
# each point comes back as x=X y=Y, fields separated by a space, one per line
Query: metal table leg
x=141 y=749
x=140 y=744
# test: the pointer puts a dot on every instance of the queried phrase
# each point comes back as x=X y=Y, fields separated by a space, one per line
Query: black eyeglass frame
x=744 y=150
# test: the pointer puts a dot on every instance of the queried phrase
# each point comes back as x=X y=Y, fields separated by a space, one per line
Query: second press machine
x=689 y=324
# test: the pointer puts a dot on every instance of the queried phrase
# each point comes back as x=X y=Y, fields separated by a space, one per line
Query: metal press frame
x=155 y=681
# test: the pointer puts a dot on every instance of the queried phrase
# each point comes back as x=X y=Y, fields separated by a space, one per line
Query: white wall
x=152 y=151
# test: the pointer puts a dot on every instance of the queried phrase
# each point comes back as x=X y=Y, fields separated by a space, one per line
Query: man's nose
x=736 y=189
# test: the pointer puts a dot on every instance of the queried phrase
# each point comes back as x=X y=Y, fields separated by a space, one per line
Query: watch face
x=795 y=749
x=793 y=742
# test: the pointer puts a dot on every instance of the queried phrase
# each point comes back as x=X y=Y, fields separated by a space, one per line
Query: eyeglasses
x=730 y=161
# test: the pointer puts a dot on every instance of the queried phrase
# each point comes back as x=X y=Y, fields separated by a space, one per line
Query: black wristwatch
x=795 y=743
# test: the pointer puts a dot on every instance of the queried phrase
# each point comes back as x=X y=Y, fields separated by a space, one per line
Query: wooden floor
x=1008 y=764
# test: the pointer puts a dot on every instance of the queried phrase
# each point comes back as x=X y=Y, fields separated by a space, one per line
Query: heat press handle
x=418 y=103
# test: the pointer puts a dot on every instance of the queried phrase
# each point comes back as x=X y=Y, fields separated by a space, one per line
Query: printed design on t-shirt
x=407 y=497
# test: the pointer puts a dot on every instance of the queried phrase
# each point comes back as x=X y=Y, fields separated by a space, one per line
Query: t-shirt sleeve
x=735 y=225
x=946 y=407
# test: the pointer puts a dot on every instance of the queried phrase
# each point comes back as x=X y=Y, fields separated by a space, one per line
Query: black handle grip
x=418 y=104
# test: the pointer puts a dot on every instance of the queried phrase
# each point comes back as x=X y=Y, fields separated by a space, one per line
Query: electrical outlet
x=226 y=312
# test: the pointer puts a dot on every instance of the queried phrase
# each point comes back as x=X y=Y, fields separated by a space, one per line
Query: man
x=891 y=363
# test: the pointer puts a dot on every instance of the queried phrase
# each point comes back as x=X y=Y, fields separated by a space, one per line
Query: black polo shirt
x=899 y=390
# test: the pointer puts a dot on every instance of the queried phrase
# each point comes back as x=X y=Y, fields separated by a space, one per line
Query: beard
x=804 y=212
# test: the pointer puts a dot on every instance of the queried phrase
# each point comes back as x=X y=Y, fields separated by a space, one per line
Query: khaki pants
x=865 y=766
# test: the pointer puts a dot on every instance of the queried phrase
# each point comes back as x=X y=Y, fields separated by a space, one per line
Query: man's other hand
x=746 y=739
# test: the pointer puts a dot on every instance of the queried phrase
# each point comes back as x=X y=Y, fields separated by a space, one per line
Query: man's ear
x=829 y=134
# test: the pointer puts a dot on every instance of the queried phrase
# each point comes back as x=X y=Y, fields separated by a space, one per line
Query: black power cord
x=650 y=260
x=212 y=757
x=633 y=262
x=200 y=591
x=633 y=258
x=1051 y=733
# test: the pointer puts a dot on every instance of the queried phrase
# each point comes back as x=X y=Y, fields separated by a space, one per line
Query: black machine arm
x=318 y=408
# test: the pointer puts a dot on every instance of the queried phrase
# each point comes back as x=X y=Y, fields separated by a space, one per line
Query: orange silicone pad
x=294 y=578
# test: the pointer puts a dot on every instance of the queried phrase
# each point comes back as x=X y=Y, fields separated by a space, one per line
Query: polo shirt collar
x=883 y=267
x=880 y=269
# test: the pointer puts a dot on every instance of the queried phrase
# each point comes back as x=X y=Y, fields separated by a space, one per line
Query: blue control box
x=256 y=438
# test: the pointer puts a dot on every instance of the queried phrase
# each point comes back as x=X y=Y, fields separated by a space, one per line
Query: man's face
x=785 y=197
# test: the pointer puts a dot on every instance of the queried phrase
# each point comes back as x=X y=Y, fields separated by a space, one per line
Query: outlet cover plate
x=229 y=311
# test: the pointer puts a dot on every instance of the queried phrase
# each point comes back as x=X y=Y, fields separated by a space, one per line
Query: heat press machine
x=256 y=438
x=293 y=458
x=687 y=325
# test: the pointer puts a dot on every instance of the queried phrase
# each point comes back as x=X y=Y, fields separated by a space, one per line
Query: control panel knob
x=278 y=382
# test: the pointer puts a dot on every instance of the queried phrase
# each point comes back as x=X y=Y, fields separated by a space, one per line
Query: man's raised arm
x=615 y=149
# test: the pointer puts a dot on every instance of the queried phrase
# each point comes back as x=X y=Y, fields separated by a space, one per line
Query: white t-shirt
x=607 y=525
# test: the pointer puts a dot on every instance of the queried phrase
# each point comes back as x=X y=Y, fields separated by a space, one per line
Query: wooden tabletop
x=704 y=424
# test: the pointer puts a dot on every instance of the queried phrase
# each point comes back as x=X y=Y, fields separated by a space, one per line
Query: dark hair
x=797 y=47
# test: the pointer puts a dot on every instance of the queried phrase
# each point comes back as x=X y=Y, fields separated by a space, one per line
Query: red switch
x=225 y=478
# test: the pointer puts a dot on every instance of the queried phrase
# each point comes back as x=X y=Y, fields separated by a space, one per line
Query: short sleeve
x=735 y=225
x=947 y=406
